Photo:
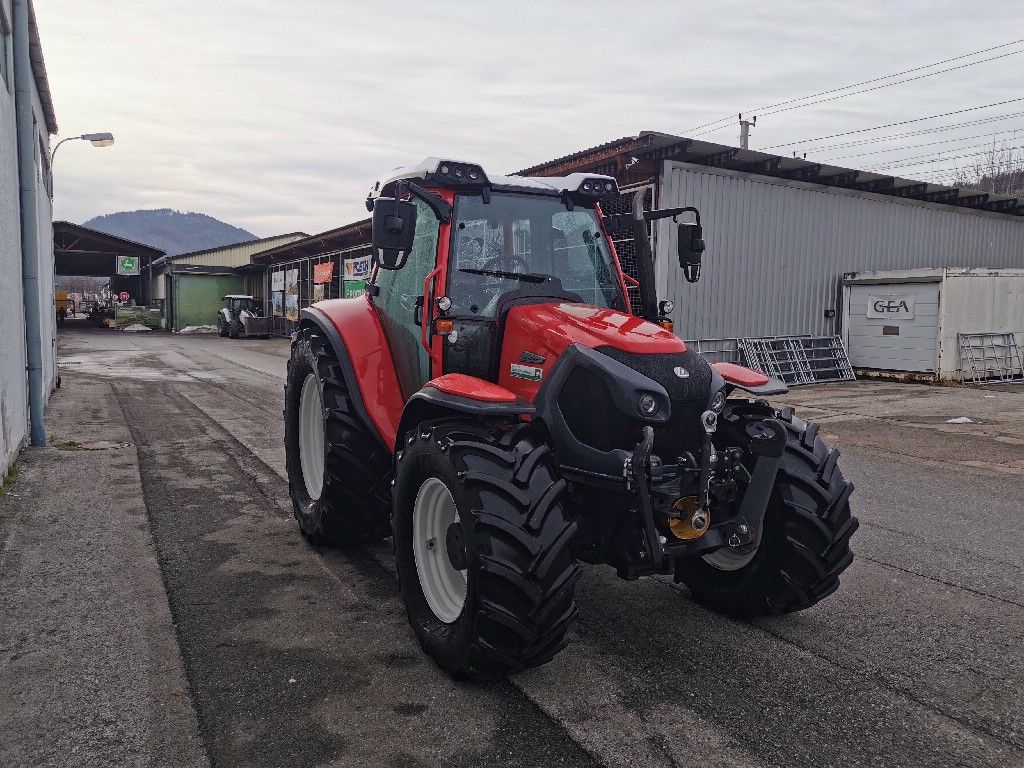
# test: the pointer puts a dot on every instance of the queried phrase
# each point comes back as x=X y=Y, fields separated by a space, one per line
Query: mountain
x=171 y=231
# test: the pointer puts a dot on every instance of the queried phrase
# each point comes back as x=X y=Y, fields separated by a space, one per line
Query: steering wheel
x=496 y=262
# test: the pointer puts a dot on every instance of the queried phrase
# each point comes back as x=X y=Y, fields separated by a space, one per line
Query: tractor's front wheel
x=483 y=547
x=804 y=544
x=236 y=329
x=337 y=472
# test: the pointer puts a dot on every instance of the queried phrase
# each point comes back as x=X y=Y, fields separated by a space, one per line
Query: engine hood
x=559 y=325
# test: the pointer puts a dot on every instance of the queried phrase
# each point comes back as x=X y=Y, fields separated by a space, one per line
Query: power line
x=911 y=162
x=893 y=125
x=918 y=132
x=928 y=144
x=868 y=82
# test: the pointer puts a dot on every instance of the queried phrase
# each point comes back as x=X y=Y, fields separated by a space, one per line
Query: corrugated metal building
x=188 y=287
x=781 y=232
x=27 y=312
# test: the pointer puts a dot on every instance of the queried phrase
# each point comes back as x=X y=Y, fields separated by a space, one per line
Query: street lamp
x=96 y=139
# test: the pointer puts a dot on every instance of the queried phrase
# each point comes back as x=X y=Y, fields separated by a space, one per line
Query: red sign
x=323 y=273
x=124 y=296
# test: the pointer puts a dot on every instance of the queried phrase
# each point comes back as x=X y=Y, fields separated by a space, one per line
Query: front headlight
x=717 y=401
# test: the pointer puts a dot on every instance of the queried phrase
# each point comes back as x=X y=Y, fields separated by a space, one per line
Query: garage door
x=894 y=327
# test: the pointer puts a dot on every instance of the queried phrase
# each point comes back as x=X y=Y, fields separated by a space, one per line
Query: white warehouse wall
x=777 y=249
x=13 y=379
x=978 y=301
x=14 y=412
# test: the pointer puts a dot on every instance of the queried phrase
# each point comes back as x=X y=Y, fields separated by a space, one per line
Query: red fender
x=369 y=359
x=470 y=386
x=740 y=376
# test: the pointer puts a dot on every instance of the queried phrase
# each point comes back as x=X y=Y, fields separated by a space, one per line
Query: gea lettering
x=892 y=305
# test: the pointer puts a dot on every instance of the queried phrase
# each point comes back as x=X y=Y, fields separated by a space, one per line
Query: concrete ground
x=215 y=633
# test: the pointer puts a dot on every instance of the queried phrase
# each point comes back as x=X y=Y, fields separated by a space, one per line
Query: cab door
x=399 y=302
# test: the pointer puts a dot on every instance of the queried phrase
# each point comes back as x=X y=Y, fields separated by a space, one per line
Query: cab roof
x=430 y=169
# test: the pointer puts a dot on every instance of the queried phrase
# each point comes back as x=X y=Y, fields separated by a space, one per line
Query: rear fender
x=754 y=382
x=456 y=394
x=357 y=337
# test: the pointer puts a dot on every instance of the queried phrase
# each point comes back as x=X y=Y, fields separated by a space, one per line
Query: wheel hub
x=455 y=546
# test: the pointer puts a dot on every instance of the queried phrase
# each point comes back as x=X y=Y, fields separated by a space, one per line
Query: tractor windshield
x=518 y=239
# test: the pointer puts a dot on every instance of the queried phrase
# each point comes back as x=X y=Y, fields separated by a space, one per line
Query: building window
x=5 y=50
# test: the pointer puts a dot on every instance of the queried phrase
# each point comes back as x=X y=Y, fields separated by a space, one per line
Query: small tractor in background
x=242 y=315
x=497 y=405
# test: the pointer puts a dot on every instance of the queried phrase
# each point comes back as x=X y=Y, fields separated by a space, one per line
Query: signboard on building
x=291 y=294
x=277 y=281
x=318 y=292
x=323 y=272
x=128 y=265
x=357 y=272
x=891 y=307
x=277 y=303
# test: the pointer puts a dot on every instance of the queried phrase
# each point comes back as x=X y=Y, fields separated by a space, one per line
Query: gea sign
x=891 y=307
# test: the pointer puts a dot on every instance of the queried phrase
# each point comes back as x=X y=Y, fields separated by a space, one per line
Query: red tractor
x=497 y=405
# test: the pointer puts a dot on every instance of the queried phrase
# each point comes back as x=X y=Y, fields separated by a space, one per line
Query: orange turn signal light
x=666 y=324
x=444 y=326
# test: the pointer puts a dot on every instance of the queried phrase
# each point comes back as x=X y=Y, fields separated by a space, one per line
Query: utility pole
x=745 y=126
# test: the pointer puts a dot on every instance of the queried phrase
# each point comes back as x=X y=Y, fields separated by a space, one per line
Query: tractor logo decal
x=531 y=357
x=681 y=372
x=527 y=372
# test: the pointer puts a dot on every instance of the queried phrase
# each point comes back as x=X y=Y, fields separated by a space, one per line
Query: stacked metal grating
x=990 y=358
x=798 y=359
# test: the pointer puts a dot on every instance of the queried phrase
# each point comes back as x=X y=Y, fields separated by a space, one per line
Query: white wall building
x=27 y=319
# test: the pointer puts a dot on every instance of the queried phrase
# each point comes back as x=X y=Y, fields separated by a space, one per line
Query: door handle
x=417 y=311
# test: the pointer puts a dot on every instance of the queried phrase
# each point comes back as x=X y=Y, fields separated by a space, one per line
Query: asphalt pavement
x=282 y=654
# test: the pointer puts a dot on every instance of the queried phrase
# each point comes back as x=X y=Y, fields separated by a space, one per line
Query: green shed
x=195 y=299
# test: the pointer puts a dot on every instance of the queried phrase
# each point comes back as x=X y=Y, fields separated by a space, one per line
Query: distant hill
x=171 y=231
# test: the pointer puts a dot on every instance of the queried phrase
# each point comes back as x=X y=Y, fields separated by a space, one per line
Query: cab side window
x=396 y=300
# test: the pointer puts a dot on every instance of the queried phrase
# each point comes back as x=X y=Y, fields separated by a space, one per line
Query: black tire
x=354 y=505
x=222 y=329
x=236 y=329
x=805 y=542
x=521 y=569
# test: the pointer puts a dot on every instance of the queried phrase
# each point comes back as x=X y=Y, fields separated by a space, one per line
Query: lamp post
x=96 y=139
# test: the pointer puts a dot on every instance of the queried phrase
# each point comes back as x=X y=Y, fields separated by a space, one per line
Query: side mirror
x=691 y=249
x=394 y=225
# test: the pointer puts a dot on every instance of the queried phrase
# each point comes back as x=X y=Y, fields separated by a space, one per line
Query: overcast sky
x=277 y=116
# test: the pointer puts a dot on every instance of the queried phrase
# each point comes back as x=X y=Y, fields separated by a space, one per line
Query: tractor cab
x=474 y=250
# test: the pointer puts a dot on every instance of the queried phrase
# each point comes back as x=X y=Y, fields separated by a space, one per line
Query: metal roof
x=35 y=52
x=230 y=246
x=68 y=236
x=355 y=234
x=636 y=158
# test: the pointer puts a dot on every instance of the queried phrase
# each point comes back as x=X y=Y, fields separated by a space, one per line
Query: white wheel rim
x=728 y=559
x=311 y=436
x=443 y=586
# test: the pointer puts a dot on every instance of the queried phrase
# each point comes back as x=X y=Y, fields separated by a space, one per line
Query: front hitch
x=768 y=443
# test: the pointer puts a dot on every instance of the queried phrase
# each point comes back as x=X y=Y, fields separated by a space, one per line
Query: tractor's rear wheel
x=483 y=547
x=805 y=539
x=222 y=328
x=338 y=474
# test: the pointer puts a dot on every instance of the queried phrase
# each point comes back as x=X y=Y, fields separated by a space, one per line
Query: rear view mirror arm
x=441 y=208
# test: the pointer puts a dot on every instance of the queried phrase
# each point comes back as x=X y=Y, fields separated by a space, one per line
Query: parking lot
x=209 y=631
